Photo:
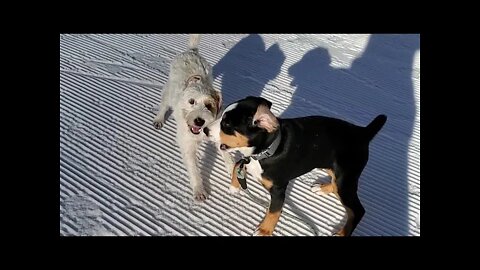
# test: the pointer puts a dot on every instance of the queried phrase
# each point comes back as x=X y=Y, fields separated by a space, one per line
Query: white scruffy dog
x=195 y=103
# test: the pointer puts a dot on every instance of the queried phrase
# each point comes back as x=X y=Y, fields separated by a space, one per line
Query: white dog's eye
x=191 y=101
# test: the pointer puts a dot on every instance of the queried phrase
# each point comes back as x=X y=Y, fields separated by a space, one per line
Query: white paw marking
x=317 y=189
x=233 y=190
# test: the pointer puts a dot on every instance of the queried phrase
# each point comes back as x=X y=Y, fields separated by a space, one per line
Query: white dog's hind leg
x=165 y=106
x=189 y=148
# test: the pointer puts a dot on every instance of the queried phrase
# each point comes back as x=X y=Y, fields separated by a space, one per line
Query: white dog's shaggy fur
x=189 y=93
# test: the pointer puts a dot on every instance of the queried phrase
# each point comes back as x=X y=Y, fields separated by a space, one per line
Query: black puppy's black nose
x=199 y=121
x=206 y=131
x=223 y=146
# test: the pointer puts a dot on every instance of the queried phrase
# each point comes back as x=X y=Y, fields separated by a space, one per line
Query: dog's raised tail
x=374 y=127
x=193 y=41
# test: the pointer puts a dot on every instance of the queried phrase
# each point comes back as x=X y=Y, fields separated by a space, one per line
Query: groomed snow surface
x=120 y=176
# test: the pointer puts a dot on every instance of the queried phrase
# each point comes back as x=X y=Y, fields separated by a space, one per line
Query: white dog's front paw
x=158 y=123
x=199 y=194
x=233 y=190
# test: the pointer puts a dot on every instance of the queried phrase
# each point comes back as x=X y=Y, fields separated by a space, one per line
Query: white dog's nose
x=199 y=121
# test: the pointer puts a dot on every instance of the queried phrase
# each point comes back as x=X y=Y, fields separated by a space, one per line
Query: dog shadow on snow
x=244 y=70
x=378 y=82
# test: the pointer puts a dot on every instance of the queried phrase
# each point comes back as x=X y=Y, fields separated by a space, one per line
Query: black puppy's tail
x=375 y=126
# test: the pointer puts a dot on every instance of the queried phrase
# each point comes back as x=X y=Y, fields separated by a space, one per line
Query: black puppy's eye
x=191 y=101
x=250 y=121
x=225 y=124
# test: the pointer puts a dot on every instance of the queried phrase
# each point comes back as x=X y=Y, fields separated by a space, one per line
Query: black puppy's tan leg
x=331 y=173
x=267 y=226
x=234 y=183
x=325 y=189
x=267 y=183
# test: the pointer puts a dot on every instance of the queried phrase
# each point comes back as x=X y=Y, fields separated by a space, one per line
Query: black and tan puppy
x=281 y=149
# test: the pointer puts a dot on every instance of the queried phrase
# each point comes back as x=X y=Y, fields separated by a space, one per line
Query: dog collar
x=270 y=150
x=240 y=165
x=241 y=172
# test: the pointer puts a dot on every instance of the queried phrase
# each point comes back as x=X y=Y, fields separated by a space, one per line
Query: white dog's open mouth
x=195 y=129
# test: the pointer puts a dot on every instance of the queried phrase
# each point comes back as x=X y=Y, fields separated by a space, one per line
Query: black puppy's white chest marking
x=255 y=169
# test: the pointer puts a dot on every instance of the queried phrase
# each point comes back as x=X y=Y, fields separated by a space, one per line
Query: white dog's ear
x=265 y=119
x=217 y=96
x=193 y=79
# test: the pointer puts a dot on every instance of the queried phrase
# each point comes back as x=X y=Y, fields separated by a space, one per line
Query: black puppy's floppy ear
x=266 y=102
x=265 y=119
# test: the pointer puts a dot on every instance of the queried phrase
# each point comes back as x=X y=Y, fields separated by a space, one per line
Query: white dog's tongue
x=196 y=129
